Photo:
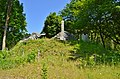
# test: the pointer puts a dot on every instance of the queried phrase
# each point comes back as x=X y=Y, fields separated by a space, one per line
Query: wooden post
x=22 y=52
x=38 y=55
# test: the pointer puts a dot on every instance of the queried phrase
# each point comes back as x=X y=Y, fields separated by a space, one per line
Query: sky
x=37 y=10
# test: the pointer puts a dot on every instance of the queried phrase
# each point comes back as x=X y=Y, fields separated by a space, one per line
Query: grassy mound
x=52 y=59
x=44 y=46
x=30 y=51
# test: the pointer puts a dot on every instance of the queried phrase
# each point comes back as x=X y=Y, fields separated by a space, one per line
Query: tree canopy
x=52 y=25
x=97 y=18
x=16 y=25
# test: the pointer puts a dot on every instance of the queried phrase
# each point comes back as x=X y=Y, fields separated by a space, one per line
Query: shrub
x=7 y=64
x=44 y=71
x=31 y=57
x=94 y=54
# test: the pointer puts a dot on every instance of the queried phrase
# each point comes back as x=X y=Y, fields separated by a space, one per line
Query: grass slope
x=53 y=63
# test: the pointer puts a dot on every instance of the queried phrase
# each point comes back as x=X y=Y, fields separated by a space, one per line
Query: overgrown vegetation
x=91 y=54
x=97 y=18
x=57 y=59
x=44 y=72
x=98 y=58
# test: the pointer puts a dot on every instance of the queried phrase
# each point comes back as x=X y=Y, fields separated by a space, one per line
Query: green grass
x=57 y=60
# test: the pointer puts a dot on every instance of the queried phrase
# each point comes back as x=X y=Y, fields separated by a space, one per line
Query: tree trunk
x=9 y=5
x=101 y=36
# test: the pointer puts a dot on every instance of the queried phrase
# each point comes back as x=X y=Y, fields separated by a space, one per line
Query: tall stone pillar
x=62 y=30
x=62 y=26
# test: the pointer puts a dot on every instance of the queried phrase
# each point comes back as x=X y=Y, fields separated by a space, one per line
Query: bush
x=31 y=57
x=93 y=54
x=44 y=71
x=7 y=64
x=20 y=60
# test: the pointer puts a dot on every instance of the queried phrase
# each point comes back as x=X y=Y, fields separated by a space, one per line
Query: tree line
x=97 y=18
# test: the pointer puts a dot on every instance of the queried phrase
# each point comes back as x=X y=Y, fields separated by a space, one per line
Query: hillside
x=52 y=59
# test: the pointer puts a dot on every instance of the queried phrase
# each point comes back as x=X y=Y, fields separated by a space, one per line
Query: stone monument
x=62 y=31
x=64 y=35
x=33 y=36
x=85 y=37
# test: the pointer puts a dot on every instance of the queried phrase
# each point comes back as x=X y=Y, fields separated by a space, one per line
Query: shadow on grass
x=89 y=53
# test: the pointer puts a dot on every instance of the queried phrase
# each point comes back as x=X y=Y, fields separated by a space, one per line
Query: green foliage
x=16 y=27
x=7 y=64
x=4 y=54
x=31 y=57
x=20 y=60
x=52 y=25
x=44 y=71
x=92 y=54
x=69 y=13
x=86 y=53
x=97 y=18
x=89 y=60
x=9 y=60
x=26 y=52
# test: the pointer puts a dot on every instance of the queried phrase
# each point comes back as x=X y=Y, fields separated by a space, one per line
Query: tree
x=98 y=18
x=2 y=19
x=16 y=29
x=69 y=14
x=9 y=6
x=52 y=25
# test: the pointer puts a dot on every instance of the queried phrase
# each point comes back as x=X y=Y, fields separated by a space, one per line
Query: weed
x=44 y=71
x=31 y=57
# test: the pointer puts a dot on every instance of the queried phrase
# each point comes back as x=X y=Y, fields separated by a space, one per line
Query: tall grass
x=59 y=60
x=91 y=54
